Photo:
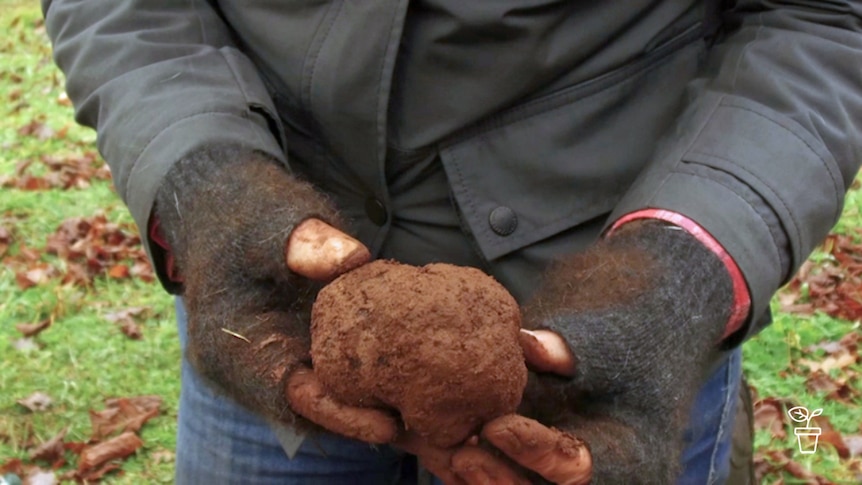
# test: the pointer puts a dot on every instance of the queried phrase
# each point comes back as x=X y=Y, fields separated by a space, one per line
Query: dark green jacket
x=550 y=117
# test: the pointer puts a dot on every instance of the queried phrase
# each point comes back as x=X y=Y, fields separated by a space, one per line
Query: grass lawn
x=84 y=357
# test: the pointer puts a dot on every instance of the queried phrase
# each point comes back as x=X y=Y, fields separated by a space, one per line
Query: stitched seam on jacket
x=838 y=186
x=306 y=88
x=382 y=113
x=510 y=117
x=775 y=249
x=784 y=203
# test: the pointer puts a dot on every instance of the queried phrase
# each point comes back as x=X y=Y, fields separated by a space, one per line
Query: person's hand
x=252 y=245
x=531 y=449
x=640 y=315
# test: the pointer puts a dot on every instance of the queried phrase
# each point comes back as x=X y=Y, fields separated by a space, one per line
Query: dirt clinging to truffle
x=438 y=343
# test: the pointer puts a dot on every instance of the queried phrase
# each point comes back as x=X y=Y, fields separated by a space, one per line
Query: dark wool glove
x=226 y=213
x=643 y=312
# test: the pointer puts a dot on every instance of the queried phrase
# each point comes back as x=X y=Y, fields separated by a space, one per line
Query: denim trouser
x=220 y=442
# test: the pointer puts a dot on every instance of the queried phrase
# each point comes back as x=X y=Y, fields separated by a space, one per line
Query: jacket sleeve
x=157 y=79
x=770 y=139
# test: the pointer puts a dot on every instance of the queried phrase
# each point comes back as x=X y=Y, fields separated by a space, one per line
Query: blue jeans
x=219 y=442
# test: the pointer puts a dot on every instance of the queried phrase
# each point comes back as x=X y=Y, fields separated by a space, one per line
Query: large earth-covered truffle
x=438 y=343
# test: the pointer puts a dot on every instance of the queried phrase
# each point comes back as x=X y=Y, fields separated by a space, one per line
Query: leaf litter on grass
x=831 y=285
x=90 y=247
x=114 y=438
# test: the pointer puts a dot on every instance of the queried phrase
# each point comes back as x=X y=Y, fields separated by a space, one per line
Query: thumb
x=321 y=252
x=546 y=351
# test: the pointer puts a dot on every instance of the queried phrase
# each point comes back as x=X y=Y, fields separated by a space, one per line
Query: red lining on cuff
x=156 y=236
x=741 y=296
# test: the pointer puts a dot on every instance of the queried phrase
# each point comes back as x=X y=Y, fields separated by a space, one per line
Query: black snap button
x=503 y=220
x=376 y=211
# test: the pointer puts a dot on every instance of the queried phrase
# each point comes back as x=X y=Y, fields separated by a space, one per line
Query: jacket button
x=376 y=211
x=503 y=220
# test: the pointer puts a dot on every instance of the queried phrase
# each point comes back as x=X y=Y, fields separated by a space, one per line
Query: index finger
x=557 y=456
x=308 y=399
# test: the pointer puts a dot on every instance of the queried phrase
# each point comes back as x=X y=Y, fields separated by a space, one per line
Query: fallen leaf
x=5 y=240
x=775 y=461
x=836 y=361
x=51 y=450
x=94 y=246
x=118 y=271
x=769 y=415
x=33 y=329
x=115 y=448
x=126 y=321
x=96 y=474
x=124 y=415
x=15 y=465
x=36 y=128
x=829 y=435
x=835 y=388
x=36 y=402
x=834 y=285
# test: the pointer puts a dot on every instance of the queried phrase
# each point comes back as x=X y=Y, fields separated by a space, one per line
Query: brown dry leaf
x=94 y=246
x=124 y=415
x=97 y=474
x=775 y=461
x=51 y=450
x=119 y=447
x=35 y=275
x=36 y=128
x=15 y=465
x=131 y=329
x=829 y=435
x=834 y=284
x=33 y=329
x=125 y=319
x=118 y=271
x=769 y=415
x=36 y=402
x=836 y=361
x=835 y=388
x=5 y=240
x=63 y=172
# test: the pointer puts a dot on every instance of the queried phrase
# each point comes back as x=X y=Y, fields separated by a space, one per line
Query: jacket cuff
x=172 y=144
x=741 y=297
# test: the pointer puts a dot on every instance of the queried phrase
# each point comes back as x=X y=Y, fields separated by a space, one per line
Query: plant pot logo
x=811 y=434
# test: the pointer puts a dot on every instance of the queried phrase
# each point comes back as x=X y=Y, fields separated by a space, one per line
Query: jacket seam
x=775 y=249
x=835 y=183
x=307 y=85
x=514 y=115
x=784 y=204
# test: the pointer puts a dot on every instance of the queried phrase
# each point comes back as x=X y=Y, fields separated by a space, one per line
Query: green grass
x=83 y=359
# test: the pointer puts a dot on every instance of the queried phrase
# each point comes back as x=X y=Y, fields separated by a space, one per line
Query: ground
x=71 y=259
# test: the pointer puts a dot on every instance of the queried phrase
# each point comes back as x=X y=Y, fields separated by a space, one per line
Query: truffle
x=438 y=343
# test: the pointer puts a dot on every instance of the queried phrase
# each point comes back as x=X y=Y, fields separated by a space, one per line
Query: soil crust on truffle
x=437 y=343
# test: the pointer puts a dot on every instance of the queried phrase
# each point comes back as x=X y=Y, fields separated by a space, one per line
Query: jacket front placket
x=349 y=91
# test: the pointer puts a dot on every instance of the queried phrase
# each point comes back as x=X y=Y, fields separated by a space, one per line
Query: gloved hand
x=248 y=239
x=625 y=334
